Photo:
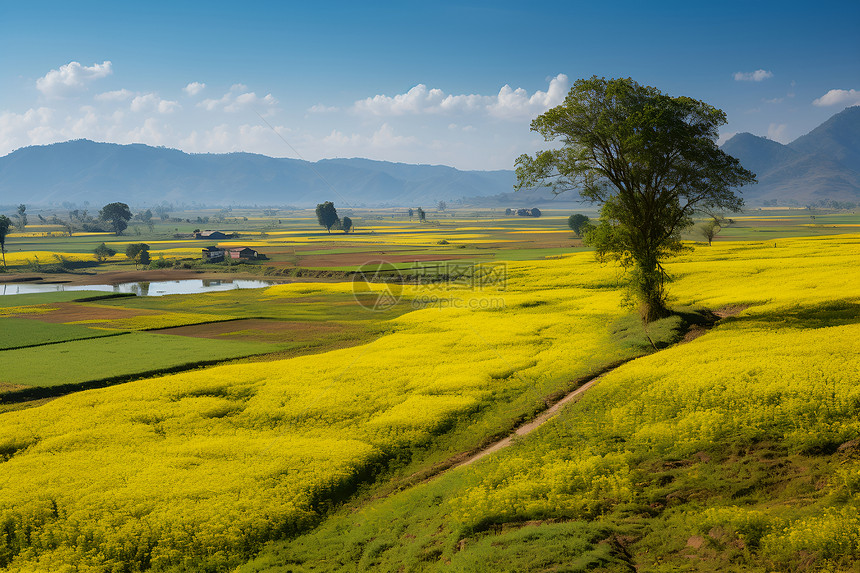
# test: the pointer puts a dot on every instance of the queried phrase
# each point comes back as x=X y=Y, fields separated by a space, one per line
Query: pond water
x=154 y=288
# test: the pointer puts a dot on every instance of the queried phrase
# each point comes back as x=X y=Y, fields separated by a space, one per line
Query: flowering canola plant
x=197 y=470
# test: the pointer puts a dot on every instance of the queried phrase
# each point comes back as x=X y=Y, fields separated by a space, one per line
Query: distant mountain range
x=83 y=170
x=822 y=165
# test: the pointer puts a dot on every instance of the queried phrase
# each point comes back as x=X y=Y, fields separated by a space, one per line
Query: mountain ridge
x=820 y=166
x=78 y=169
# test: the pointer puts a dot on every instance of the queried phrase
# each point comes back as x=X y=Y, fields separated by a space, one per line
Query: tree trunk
x=648 y=283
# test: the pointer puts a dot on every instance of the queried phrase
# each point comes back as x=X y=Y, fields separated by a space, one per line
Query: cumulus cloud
x=382 y=138
x=47 y=125
x=33 y=127
x=838 y=97
x=237 y=99
x=116 y=95
x=508 y=103
x=320 y=108
x=756 y=76
x=151 y=102
x=224 y=138
x=194 y=88
x=71 y=78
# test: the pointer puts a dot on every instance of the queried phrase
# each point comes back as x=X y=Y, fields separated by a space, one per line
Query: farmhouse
x=213 y=254
x=246 y=253
x=241 y=253
x=214 y=235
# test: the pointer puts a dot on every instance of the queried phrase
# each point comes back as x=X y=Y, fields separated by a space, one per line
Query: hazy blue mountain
x=139 y=174
x=838 y=138
x=822 y=165
x=759 y=154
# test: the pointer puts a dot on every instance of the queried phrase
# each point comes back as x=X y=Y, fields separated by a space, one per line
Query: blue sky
x=446 y=83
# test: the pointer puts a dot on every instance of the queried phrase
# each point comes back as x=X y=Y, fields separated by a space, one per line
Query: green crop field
x=49 y=297
x=20 y=332
x=116 y=356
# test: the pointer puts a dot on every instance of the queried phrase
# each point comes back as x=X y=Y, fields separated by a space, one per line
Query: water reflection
x=142 y=288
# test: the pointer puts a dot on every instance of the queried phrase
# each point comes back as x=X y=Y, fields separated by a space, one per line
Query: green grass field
x=80 y=361
x=21 y=332
x=49 y=297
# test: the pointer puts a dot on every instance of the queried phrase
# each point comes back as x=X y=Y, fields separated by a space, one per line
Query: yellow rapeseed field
x=197 y=470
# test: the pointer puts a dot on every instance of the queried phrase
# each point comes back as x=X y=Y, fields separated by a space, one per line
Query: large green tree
x=5 y=225
x=117 y=214
x=327 y=215
x=648 y=159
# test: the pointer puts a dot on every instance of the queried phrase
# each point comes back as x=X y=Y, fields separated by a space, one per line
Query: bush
x=103 y=252
x=161 y=263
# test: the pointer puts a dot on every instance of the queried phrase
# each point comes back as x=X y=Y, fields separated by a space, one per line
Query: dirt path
x=467 y=458
x=537 y=422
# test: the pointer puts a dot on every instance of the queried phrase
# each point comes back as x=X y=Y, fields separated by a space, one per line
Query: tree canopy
x=103 y=252
x=138 y=252
x=648 y=159
x=578 y=223
x=117 y=214
x=327 y=215
x=5 y=225
x=347 y=224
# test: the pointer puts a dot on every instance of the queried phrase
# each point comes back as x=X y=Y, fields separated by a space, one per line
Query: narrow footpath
x=467 y=458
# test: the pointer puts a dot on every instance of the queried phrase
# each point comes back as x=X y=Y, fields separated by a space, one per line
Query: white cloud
x=237 y=99
x=224 y=138
x=71 y=78
x=194 y=88
x=776 y=132
x=838 y=97
x=455 y=127
x=382 y=138
x=416 y=100
x=507 y=104
x=33 y=127
x=116 y=95
x=150 y=132
x=151 y=102
x=320 y=108
x=756 y=76
x=517 y=103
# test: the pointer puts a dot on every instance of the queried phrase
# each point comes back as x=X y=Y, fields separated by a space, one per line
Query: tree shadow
x=823 y=315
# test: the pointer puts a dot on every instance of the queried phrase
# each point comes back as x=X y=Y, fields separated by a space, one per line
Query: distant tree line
x=535 y=212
